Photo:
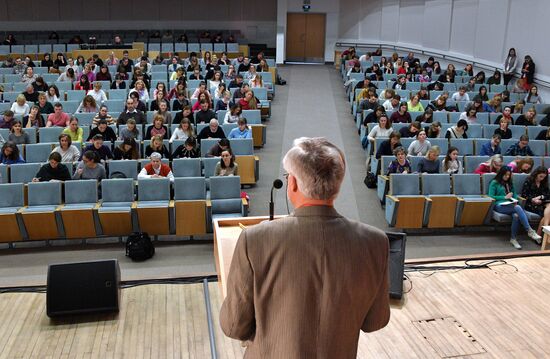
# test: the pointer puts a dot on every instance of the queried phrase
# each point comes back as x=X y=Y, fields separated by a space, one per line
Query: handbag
x=139 y=246
x=370 y=180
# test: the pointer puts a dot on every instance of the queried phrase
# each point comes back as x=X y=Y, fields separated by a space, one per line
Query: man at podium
x=304 y=285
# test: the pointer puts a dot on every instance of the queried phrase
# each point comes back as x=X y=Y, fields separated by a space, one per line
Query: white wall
x=476 y=30
x=330 y=7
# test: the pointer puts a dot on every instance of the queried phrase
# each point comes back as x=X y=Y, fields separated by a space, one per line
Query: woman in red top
x=248 y=102
x=83 y=83
x=158 y=129
x=492 y=166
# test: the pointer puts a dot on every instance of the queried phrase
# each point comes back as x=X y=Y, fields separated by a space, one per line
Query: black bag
x=139 y=246
x=370 y=180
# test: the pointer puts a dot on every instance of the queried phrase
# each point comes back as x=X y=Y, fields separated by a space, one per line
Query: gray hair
x=213 y=122
x=155 y=156
x=318 y=166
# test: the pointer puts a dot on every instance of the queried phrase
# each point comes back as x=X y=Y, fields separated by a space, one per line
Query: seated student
x=34 y=118
x=157 y=129
x=400 y=164
x=393 y=104
x=131 y=112
x=213 y=130
x=493 y=165
x=97 y=93
x=414 y=104
x=216 y=150
x=157 y=145
x=461 y=95
x=68 y=152
x=492 y=147
x=118 y=83
x=506 y=114
x=103 y=114
x=18 y=135
x=469 y=116
x=87 y=105
x=227 y=165
x=426 y=117
x=458 y=131
x=501 y=188
x=74 y=131
x=434 y=130
x=520 y=148
x=103 y=152
x=10 y=154
x=410 y=131
x=90 y=167
x=430 y=162
x=127 y=150
x=420 y=146
x=451 y=164
x=130 y=131
x=183 y=131
x=104 y=130
x=374 y=116
x=503 y=131
x=533 y=96
x=187 y=113
x=544 y=135
x=7 y=120
x=164 y=112
x=20 y=106
x=521 y=165
x=53 y=170
x=387 y=147
x=371 y=103
x=156 y=169
x=242 y=131
x=402 y=115
x=44 y=106
x=58 y=117
x=536 y=193
x=187 y=150
x=528 y=118
x=204 y=114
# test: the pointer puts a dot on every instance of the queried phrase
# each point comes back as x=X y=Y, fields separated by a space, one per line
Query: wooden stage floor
x=500 y=312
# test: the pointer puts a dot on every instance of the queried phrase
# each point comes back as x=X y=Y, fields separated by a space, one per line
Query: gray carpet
x=312 y=104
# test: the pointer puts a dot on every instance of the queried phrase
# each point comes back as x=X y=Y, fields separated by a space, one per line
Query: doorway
x=305 y=37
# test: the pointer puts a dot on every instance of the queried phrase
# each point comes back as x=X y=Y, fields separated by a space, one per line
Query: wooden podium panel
x=226 y=234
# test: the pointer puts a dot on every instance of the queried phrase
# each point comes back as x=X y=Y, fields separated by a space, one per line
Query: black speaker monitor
x=397 y=263
x=83 y=287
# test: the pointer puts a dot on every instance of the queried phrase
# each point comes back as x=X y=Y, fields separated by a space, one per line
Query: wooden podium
x=226 y=234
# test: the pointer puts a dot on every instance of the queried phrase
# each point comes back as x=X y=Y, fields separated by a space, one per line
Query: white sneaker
x=534 y=236
x=515 y=243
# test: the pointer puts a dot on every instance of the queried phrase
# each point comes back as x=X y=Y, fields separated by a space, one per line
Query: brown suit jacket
x=304 y=285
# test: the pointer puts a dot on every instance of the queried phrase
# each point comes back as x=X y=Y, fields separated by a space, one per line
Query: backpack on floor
x=139 y=246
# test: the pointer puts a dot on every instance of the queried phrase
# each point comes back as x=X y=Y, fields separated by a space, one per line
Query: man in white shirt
x=393 y=104
x=156 y=169
x=461 y=95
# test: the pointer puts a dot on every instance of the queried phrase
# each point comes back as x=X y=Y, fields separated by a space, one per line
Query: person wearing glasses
x=306 y=284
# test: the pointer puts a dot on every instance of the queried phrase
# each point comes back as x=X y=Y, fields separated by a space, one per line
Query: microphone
x=277 y=184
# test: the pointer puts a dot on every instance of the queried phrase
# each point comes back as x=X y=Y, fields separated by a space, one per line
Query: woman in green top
x=74 y=131
x=502 y=190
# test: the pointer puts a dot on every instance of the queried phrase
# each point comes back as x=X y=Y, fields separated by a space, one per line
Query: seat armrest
x=208 y=203
x=393 y=198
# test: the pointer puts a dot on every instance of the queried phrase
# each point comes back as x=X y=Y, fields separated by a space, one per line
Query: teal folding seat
x=128 y=167
x=186 y=167
x=241 y=146
x=225 y=199
x=207 y=144
x=23 y=172
x=465 y=146
x=253 y=117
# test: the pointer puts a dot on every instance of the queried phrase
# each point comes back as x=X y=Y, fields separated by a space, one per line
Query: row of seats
x=475 y=131
x=164 y=47
x=181 y=167
x=70 y=210
x=442 y=201
x=469 y=163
